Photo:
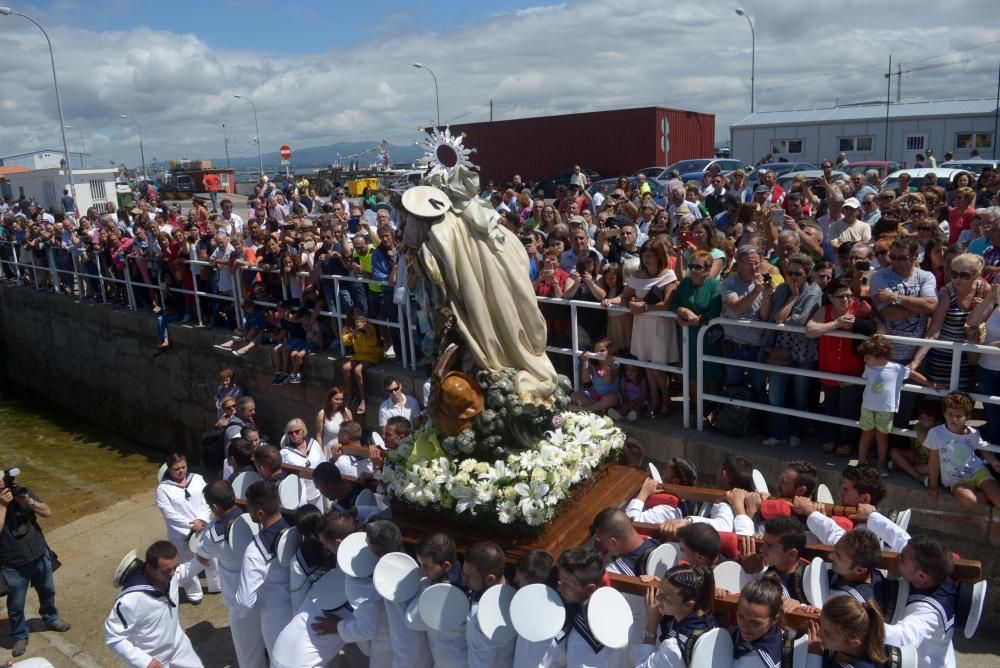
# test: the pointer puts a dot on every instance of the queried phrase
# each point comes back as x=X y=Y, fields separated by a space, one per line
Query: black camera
x=9 y=476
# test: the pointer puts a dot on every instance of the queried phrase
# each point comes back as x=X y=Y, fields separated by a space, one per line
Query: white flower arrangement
x=526 y=487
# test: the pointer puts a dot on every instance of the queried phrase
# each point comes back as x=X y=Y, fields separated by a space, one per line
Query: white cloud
x=557 y=58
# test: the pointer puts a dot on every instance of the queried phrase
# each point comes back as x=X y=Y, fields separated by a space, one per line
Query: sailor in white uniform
x=369 y=624
x=310 y=638
x=212 y=543
x=484 y=567
x=180 y=498
x=264 y=582
x=143 y=627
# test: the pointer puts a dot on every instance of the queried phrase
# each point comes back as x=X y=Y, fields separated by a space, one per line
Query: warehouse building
x=814 y=135
x=611 y=143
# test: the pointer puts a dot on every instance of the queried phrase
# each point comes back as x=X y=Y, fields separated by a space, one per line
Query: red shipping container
x=611 y=143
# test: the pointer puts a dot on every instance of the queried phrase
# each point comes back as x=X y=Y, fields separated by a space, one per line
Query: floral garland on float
x=501 y=447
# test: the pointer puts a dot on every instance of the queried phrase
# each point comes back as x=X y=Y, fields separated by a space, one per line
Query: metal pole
x=888 y=93
x=996 y=116
x=753 y=53
x=260 y=160
x=55 y=81
x=437 y=99
x=83 y=143
x=225 y=140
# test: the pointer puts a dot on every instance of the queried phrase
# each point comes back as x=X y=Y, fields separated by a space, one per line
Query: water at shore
x=75 y=467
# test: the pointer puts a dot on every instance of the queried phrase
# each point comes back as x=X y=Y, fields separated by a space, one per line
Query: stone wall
x=95 y=361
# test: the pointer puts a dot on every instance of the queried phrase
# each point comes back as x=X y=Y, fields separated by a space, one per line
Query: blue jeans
x=989 y=383
x=163 y=320
x=783 y=426
x=735 y=372
x=38 y=574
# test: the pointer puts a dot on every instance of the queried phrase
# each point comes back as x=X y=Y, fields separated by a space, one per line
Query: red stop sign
x=285 y=152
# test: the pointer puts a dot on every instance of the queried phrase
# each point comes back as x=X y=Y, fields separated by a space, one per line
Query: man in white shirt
x=143 y=628
x=247 y=640
x=578 y=178
x=849 y=229
x=398 y=404
x=220 y=260
x=231 y=221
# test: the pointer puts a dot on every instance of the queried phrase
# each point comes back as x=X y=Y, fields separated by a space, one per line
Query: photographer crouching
x=25 y=560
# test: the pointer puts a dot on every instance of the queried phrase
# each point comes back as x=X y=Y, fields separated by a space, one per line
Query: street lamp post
x=83 y=143
x=142 y=152
x=437 y=99
x=753 y=51
x=260 y=160
x=7 y=11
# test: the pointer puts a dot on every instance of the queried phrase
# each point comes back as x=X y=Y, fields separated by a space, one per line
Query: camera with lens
x=9 y=476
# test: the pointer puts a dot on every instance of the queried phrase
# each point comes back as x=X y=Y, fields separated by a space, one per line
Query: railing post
x=34 y=269
x=700 y=383
x=237 y=274
x=128 y=285
x=78 y=281
x=575 y=338
x=685 y=374
x=193 y=268
x=411 y=328
x=956 y=368
x=100 y=278
x=53 y=274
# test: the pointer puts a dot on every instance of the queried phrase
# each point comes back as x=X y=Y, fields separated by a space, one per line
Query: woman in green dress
x=698 y=300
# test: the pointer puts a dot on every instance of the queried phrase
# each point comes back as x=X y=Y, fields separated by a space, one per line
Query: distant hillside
x=321 y=156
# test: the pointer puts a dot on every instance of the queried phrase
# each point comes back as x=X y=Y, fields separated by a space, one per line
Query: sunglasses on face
x=696 y=267
x=797 y=274
x=395 y=389
x=293 y=432
x=899 y=258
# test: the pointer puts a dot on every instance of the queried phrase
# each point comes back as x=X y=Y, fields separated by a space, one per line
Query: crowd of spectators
x=831 y=253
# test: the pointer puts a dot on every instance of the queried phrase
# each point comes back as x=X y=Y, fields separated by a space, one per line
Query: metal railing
x=956 y=348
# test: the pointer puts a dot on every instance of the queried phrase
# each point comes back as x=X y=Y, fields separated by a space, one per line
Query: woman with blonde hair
x=955 y=301
x=300 y=449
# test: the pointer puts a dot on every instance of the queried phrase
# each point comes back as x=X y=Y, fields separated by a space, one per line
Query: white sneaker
x=794 y=441
x=771 y=441
x=614 y=415
x=389 y=353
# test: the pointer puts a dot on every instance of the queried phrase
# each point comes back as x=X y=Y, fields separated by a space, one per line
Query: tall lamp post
x=753 y=51
x=256 y=127
x=83 y=143
x=437 y=99
x=142 y=151
x=7 y=11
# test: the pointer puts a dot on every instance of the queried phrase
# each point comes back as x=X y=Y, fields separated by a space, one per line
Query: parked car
x=945 y=176
x=884 y=168
x=785 y=180
x=974 y=165
x=550 y=184
x=779 y=168
x=655 y=187
x=658 y=173
x=726 y=165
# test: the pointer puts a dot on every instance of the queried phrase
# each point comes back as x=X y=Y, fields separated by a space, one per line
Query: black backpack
x=734 y=420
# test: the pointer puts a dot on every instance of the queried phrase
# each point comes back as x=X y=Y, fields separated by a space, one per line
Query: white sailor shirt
x=368 y=625
x=542 y=654
x=212 y=545
x=299 y=646
x=314 y=455
x=264 y=584
x=180 y=505
x=301 y=577
x=720 y=517
x=410 y=648
x=637 y=512
x=583 y=650
x=670 y=652
x=483 y=652
x=144 y=624
x=447 y=647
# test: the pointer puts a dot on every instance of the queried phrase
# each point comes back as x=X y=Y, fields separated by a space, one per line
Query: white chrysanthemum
x=506 y=512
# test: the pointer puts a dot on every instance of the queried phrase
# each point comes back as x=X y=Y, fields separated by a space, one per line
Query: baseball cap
x=852 y=202
x=761 y=189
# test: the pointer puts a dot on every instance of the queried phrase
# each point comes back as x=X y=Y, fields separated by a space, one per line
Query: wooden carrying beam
x=724 y=605
x=965 y=569
x=712 y=495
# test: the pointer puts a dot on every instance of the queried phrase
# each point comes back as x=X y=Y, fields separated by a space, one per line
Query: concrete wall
x=96 y=361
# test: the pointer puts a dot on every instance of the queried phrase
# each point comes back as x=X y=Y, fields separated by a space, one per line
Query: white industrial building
x=43 y=159
x=814 y=135
x=94 y=187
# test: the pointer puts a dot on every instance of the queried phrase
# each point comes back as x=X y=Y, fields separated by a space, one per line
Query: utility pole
x=899 y=83
x=225 y=140
x=888 y=92
x=491 y=111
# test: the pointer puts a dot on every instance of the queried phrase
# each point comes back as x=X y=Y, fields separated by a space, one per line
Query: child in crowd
x=881 y=397
x=438 y=559
x=952 y=457
x=603 y=378
x=914 y=460
x=580 y=573
x=634 y=392
x=685 y=597
x=850 y=634
x=536 y=567
x=758 y=639
x=483 y=568
x=254 y=324
x=619 y=321
x=363 y=339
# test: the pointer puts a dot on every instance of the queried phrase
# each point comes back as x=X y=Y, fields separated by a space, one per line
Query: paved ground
x=91 y=547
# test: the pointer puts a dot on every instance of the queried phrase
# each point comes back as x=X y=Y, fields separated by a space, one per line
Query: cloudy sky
x=322 y=72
